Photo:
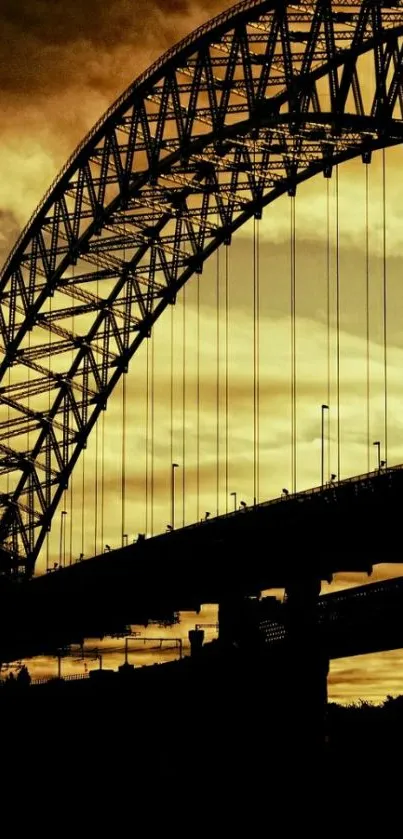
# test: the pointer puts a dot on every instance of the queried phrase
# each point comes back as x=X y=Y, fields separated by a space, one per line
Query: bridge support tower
x=307 y=663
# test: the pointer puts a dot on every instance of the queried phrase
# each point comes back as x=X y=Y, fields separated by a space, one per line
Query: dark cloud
x=61 y=66
x=46 y=46
x=9 y=229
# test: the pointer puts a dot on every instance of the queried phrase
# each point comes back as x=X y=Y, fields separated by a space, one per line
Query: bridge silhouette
x=233 y=556
x=242 y=112
x=355 y=621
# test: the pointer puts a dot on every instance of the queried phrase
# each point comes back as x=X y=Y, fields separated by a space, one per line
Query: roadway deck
x=348 y=526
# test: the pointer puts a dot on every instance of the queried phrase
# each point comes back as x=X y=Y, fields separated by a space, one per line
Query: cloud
x=52 y=45
x=372 y=677
x=8 y=231
x=311 y=208
x=61 y=66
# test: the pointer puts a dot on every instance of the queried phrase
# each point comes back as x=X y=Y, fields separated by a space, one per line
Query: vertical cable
x=147 y=427
x=184 y=408
x=30 y=496
x=254 y=366
x=292 y=310
x=83 y=494
x=96 y=493
x=172 y=383
x=367 y=313
x=102 y=479
x=218 y=384
x=47 y=551
x=61 y=542
x=198 y=397
x=328 y=315
x=8 y=416
x=124 y=375
x=96 y=451
x=338 y=325
x=254 y=336
x=256 y=360
x=96 y=457
x=29 y=395
x=172 y=394
x=385 y=324
x=226 y=378
x=72 y=474
x=83 y=502
x=64 y=542
x=152 y=428
x=71 y=519
x=48 y=441
x=293 y=357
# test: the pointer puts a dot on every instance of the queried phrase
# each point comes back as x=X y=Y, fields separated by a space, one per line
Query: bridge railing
x=74 y=677
x=366 y=477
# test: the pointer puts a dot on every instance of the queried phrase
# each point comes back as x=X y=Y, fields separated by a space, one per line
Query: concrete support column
x=307 y=663
x=196 y=640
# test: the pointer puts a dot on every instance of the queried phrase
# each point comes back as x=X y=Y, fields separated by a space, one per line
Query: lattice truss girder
x=244 y=109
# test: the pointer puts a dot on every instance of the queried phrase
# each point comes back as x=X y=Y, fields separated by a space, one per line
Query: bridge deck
x=347 y=526
x=354 y=621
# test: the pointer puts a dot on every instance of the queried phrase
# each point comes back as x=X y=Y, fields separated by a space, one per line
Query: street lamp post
x=235 y=503
x=62 y=550
x=64 y=539
x=322 y=458
x=377 y=443
x=174 y=466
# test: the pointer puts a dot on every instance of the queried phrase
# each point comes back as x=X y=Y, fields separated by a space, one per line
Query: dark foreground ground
x=232 y=719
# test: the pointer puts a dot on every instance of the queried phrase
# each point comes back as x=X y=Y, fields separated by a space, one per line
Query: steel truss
x=247 y=107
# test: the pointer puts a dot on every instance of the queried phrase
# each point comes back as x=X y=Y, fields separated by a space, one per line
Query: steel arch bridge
x=244 y=109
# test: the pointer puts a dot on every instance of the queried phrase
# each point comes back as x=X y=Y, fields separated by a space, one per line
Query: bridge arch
x=244 y=109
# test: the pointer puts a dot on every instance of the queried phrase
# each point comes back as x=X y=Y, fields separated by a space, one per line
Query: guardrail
x=335 y=486
x=75 y=677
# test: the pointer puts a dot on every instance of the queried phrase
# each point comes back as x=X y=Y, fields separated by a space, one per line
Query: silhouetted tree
x=23 y=677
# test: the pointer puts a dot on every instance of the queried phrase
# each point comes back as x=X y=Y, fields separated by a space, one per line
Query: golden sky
x=61 y=66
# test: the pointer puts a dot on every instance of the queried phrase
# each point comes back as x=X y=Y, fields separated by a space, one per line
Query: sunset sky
x=61 y=66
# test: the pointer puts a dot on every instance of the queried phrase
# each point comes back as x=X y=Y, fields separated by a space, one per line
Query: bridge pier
x=289 y=683
x=307 y=663
x=238 y=621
